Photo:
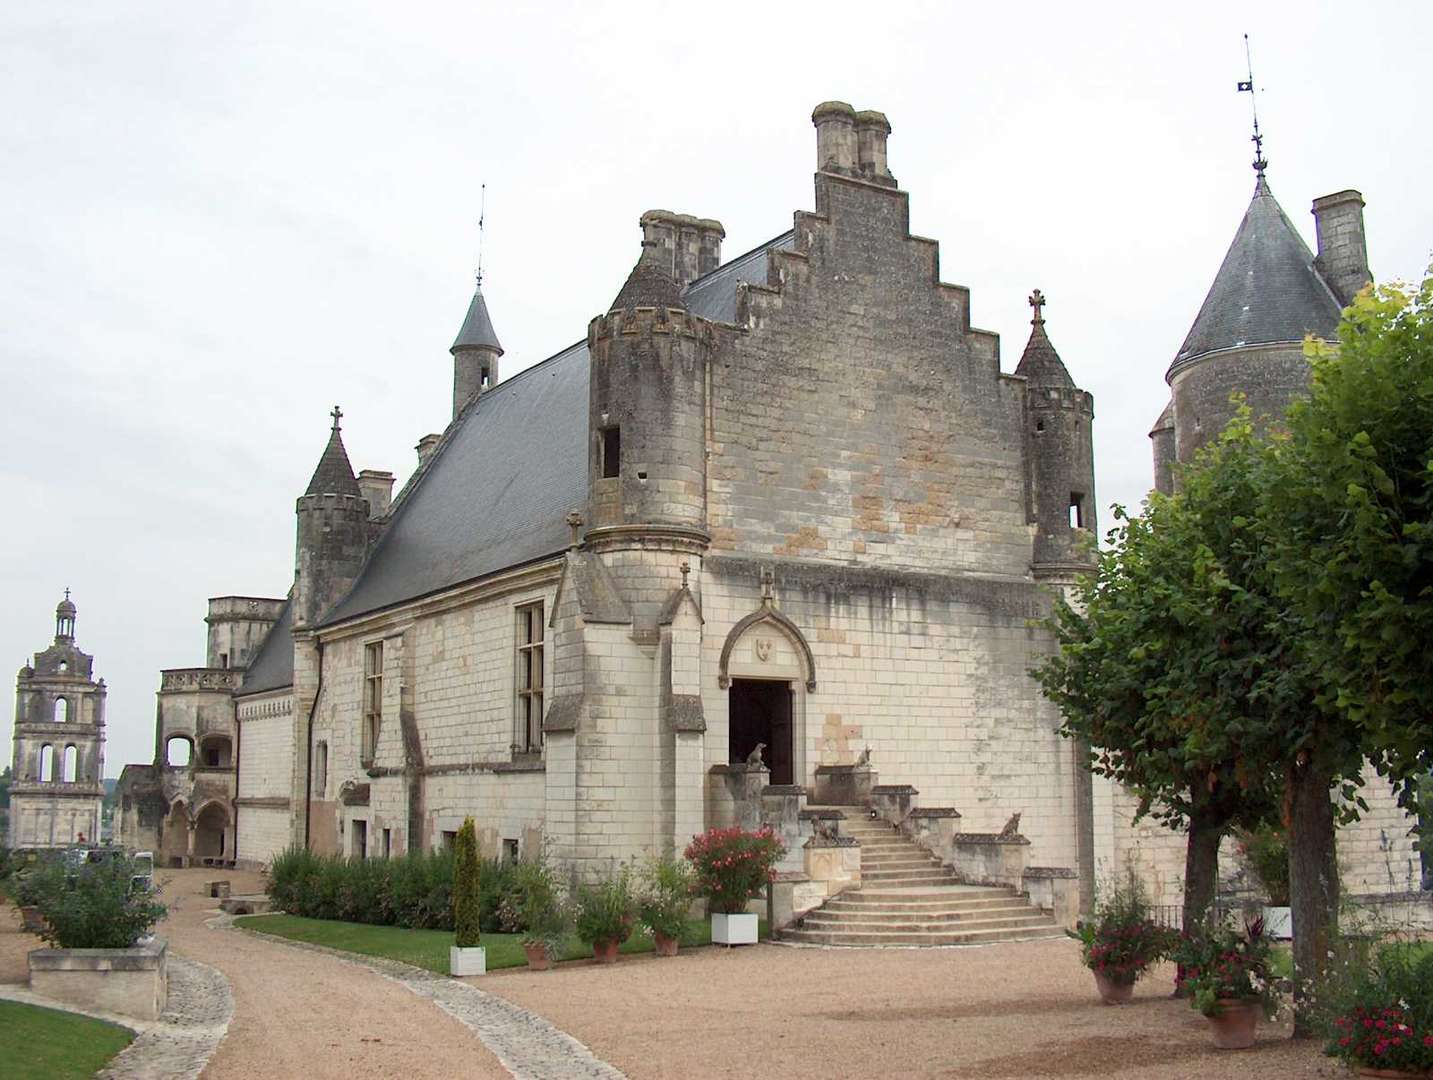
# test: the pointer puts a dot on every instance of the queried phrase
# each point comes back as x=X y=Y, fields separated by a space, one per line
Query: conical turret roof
x=649 y=285
x=1267 y=289
x=1040 y=363
x=477 y=331
x=334 y=475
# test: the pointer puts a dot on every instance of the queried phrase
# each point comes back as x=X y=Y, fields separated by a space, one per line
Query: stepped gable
x=1267 y=289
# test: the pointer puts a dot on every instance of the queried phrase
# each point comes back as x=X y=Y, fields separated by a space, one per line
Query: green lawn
x=46 y=1044
x=429 y=948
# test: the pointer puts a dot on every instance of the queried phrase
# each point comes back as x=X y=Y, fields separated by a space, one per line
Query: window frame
x=372 y=700
x=529 y=659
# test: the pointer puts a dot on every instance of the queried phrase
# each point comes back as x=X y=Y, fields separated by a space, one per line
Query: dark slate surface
x=1267 y=289
x=273 y=665
x=648 y=285
x=477 y=328
x=334 y=474
x=496 y=495
x=1040 y=363
x=714 y=296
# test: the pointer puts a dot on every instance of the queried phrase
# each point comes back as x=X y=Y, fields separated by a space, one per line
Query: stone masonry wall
x=266 y=757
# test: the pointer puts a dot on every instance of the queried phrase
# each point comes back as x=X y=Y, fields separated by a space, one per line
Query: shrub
x=605 y=911
x=732 y=866
x=1267 y=851
x=466 y=911
x=93 y=905
x=1120 y=941
x=543 y=912
x=1222 y=964
x=414 y=890
x=665 y=895
x=1381 y=1016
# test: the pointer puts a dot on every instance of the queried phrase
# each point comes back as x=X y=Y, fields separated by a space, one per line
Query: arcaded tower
x=1062 y=470
x=57 y=791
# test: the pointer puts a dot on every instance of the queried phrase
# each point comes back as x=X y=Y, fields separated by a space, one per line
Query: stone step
x=911 y=877
x=955 y=926
x=918 y=907
x=913 y=860
x=911 y=913
x=972 y=937
x=921 y=895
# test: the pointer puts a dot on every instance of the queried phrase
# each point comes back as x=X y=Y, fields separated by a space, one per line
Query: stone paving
x=187 y=1034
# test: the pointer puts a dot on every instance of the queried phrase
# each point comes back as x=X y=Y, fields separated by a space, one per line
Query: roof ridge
x=758 y=250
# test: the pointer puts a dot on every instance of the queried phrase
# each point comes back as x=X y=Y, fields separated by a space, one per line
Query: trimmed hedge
x=413 y=891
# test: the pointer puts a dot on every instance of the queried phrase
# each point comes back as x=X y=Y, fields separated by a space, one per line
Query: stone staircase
x=908 y=898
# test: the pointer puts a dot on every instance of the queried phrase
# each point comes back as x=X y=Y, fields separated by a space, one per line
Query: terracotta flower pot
x=1234 y=1022
x=538 y=956
x=1112 y=992
x=605 y=951
x=666 y=946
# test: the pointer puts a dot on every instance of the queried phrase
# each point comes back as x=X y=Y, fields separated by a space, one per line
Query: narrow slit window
x=611 y=452
x=527 y=733
x=372 y=697
x=320 y=770
x=47 y=763
x=70 y=769
x=1077 y=510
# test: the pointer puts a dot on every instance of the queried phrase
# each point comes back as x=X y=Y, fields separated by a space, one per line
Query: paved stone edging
x=528 y=1046
x=177 y=1045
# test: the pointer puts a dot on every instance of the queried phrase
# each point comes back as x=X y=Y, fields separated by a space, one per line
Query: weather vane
x=1260 y=162
x=482 y=213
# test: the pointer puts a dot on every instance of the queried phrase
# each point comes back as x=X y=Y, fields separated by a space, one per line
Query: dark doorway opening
x=760 y=712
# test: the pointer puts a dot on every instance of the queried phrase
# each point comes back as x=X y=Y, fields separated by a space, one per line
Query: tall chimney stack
x=1343 y=248
x=872 y=128
x=684 y=246
x=835 y=137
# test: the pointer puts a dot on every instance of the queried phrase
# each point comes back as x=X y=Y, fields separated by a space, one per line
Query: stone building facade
x=773 y=516
x=57 y=791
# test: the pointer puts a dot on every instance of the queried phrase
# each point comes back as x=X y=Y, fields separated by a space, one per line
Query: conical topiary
x=465 y=887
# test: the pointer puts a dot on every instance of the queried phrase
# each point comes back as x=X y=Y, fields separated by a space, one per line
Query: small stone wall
x=843 y=785
x=990 y=858
x=1056 y=890
x=128 y=982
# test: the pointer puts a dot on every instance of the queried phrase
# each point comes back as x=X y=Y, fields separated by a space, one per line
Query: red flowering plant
x=732 y=866
x=1223 y=964
x=1120 y=941
x=1381 y=1015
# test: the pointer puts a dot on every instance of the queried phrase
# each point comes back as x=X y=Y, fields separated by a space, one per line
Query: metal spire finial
x=1037 y=301
x=337 y=415
x=67 y=593
x=1260 y=162
x=482 y=213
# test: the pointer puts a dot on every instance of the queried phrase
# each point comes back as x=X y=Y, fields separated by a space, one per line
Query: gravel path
x=1004 y=1011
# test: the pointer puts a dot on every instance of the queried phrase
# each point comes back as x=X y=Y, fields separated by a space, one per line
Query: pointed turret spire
x=1040 y=363
x=477 y=331
x=649 y=284
x=334 y=475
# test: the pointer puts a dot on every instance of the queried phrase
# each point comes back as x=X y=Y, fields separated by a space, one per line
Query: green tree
x=1171 y=667
x=467 y=891
x=5 y=778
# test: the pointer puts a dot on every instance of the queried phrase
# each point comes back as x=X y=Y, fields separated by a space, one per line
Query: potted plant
x=466 y=956
x=732 y=867
x=1266 y=850
x=664 y=900
x=1120 y=942
x=542 y=913
x=1226 y=974
x=605 y=913
x=1380 y=1016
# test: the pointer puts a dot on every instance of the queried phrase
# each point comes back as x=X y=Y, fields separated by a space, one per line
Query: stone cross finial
x=337 y=415
x=1037 y=301
x=685 y=568
x=574 y=522
x=768 y=585
x=67 y=594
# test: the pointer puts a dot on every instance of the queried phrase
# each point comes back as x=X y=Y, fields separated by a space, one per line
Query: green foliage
x=1379 y=1013
x=664 y=895
x=1120 y=941
x=1355 y=558
x=733 y=866
x=605 y=911
x=1222 y=964
x=47 y=1044
x=92 y=905
x=1267 y=851
x=540 y=904
x=414 y=891
x=466 y=887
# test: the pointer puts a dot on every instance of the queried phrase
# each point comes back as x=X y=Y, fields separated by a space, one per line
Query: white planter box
x=734 y=929
x=472 y=961
x=1278 y=923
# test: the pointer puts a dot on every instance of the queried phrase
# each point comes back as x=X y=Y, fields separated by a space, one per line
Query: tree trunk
x=1201 y=874
x=1313 y=878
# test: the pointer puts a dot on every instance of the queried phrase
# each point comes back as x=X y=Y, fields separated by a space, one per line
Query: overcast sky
x=216 y=221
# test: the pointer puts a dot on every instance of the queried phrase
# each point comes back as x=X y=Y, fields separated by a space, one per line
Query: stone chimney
x=685 y=247
x=1343 y=249
x=836 y=140
x=426 y=445
x=377 y=488
x=872 y=128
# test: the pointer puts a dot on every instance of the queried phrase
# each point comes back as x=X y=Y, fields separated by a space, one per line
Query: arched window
x=72 y=760
x=64 y=667
x=47 y=762
x=62 y=710
x=177 y=750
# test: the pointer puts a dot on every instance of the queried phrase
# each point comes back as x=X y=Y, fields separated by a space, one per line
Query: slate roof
x=497 y=491
x=648 y=285
x=1267 y=289
x=334 y=475
x=273 y=665
x=1040 y=363
x=477 y=329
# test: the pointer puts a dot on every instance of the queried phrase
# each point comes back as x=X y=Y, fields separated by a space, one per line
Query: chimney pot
x=835 y=137
x=1343 y=247
x=872 y=128
x=426 y=445
x=377 y=488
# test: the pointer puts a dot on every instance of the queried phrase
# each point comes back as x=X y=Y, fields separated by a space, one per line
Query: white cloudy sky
x=216 y=221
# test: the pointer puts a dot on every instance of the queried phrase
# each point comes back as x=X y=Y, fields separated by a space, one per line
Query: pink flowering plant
x=732 y=866
x=1382 y=1015
x=1224 y=964
x=1120 y=941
